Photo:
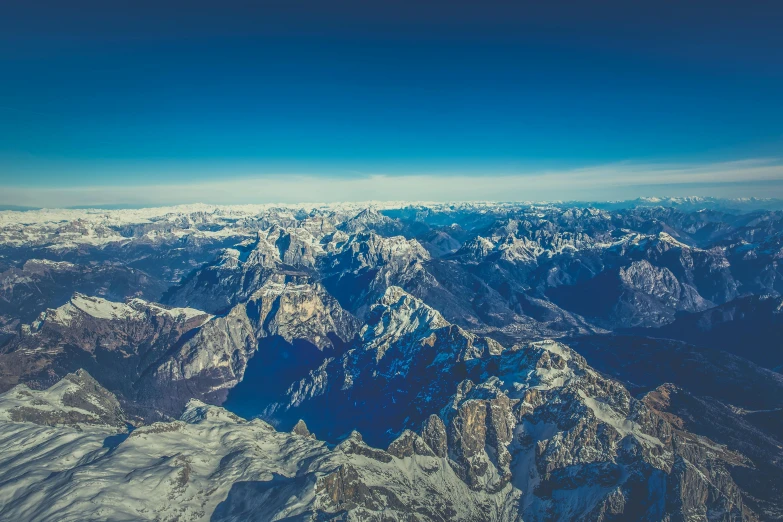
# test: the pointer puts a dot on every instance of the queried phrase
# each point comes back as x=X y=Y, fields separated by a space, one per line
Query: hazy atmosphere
x=177 y=102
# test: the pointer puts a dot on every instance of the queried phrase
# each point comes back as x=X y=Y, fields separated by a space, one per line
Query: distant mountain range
x=395 y=361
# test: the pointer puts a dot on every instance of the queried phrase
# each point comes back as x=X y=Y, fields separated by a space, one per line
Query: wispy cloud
x=747 y=177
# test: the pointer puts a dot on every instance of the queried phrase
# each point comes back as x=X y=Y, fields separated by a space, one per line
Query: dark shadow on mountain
x=273 y=367
x=246 y=497
x=112 y=441
x=750 y=327
x=643 y=363
x=594 y=298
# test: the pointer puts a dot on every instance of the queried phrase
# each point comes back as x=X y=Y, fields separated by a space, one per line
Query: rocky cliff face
x=300 y=311
x=153 y=357
x=213 y=465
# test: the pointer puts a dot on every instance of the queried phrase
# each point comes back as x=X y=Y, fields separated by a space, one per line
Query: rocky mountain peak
x=367 y=216
x=83 y=309
x=300 y=310
x=370 y=219
x=476 y=249
x=652 y=280
x=98 y=308
x=383 y=320
x=665 y=237
x=368 y=249
x=300 y=428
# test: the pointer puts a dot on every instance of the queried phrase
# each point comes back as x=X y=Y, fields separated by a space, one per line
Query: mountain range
x=393 y=362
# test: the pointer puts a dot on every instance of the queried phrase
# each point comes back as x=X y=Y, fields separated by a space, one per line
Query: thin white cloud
x=750 y=177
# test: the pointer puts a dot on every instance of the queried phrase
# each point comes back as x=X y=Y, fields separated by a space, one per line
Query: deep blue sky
x=140 y=93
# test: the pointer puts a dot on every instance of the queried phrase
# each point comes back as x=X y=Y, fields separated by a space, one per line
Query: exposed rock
x=434 y=434
x=300 y=428
x=300 y=312
x=409 y=444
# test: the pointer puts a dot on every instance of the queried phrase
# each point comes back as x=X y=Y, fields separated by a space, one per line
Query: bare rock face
x=547 y=428
x=343 y=490
x=467 y=438
x=355 y=445
x=210 y=361
x=480 y=427
x=300 y=312
x=433 y=432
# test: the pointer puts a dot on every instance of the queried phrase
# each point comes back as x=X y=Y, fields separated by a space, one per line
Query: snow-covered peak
x=368 y=218
x=102 y=308
x=46 y=264
x=176 y=313
x=371 y=249
x=95 y=307
x=669 y=239
x=519 y=250
x=229 y=258
x=555 y=347
x=76 y=399
x=135 y=309
x=369 y=215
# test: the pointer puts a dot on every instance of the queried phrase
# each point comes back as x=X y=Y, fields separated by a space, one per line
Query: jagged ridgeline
x=393 y=362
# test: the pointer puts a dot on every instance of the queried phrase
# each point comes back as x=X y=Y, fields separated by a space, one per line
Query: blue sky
x=109 y=102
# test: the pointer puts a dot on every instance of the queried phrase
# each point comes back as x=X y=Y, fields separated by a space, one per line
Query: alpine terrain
x=498 y=362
